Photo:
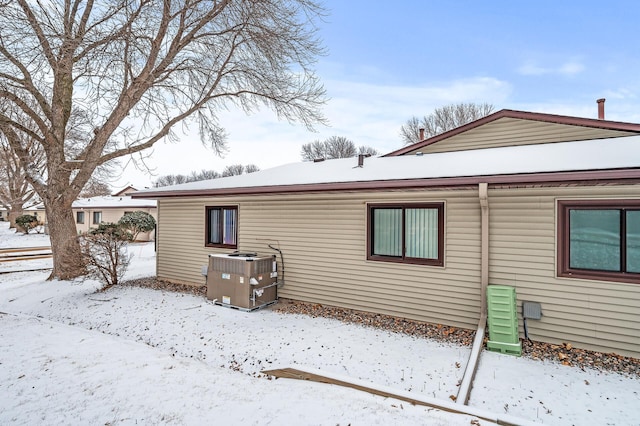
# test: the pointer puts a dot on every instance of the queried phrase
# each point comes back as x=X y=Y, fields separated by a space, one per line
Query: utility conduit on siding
x=472 y=363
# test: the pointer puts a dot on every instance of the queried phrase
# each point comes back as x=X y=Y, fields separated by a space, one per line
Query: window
x=79 y=217
x=97 y=218
x=599 y=239
x=222 y=226
x=408 y=233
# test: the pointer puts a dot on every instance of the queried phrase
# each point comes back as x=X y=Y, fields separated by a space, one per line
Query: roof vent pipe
x=361 y=158
x=601 y=108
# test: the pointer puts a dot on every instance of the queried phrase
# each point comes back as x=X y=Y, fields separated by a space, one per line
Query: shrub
x=105 y=252
x=137 y=222
x=27 y=222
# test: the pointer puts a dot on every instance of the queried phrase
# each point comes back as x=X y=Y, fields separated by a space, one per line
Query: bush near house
x=26 y=222
x=137 y=222
x=105 y=253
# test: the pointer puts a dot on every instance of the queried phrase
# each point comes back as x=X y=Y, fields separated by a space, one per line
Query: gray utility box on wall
x=242 y=280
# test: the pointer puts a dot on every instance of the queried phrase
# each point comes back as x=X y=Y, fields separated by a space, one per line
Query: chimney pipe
x=361 y=158
x=601 y=108
x=421 y=134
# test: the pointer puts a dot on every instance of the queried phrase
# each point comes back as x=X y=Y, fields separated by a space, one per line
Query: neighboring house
x=128 y=190
x=548 y=204
x=37 y=211
x=90 y=212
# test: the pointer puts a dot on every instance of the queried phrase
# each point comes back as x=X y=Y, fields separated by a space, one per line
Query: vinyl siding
x=598 y=315
x=112 y=215
x=514 y=131
x=323 y=238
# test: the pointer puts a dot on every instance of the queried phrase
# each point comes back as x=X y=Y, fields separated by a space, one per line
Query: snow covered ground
x=140 y=356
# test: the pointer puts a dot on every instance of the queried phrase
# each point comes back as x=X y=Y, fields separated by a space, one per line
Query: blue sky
x=388 y=61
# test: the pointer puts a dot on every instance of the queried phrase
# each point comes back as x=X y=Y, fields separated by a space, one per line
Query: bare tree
x=313 y=150
x=251 y=168
x=367 y=150
x=236 y=169
x=443 y=119
x=333 y=147
x=94 y=188
x=132 y=70
x=16 y=192
x=168 y=180
x=339 y=147
x=104 y=252
x=233 y=170
x=207 y=175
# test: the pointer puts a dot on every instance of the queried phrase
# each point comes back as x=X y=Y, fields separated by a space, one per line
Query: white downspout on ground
x=472 y=364
x=460 y=406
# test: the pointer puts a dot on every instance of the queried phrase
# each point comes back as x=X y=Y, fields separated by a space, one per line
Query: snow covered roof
x=442 y=168
x=113 y=202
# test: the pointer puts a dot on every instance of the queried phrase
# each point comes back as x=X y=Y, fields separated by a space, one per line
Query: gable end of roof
x=522 y=115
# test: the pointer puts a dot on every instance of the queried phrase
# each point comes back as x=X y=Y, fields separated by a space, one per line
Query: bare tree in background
x=367 y=150
x=443 y=119
x=339 y=147
x=233 y=170
x=251 y=168
x=203 y=175
x=313 y=151
x=16 y=193
x=132 y=70
x=94 y=188
x=169 y=180
x=334 y=147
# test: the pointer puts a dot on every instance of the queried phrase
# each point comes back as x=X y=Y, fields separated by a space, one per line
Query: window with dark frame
x=221 y=226
x=599 y=239
x=79 y=217
x=406 y=233
x=97 y=218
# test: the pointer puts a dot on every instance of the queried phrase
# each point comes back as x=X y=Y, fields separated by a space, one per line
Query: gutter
x=594 y=177
x=472 y=364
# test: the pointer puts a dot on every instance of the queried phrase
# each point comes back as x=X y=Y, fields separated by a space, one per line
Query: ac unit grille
x=242 y=266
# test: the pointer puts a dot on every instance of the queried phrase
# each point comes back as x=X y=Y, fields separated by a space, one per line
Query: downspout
x=478 y=341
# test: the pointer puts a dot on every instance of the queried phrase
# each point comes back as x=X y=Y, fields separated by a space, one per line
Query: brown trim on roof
x=523 y=115
x=620 y=176
x=114 y=207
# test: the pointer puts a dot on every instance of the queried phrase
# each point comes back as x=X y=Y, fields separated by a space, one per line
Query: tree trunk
x=67 y=258
x=11 y=216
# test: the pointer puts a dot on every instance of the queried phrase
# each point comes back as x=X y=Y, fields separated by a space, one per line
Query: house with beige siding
x=547 y=204
x=37 y=211
x=90 y=212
